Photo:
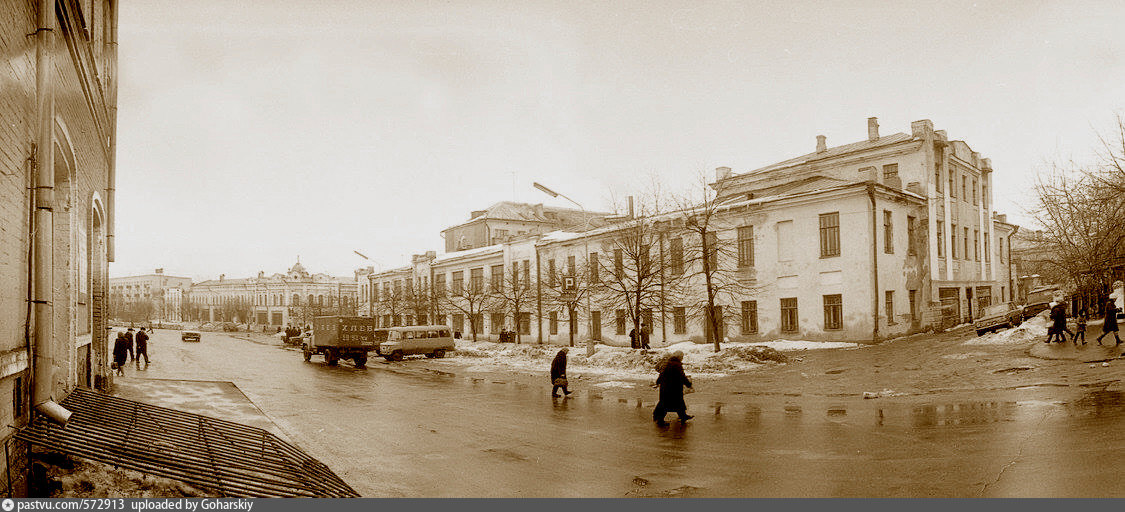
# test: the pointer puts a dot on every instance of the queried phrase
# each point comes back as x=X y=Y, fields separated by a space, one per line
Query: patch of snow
x=965 y=355
x=614 y=384
x=1033 y=329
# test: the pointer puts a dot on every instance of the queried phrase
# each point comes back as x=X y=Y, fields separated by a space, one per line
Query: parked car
x=397 y=342
x=1030 y=310
x=998 y=316
x=189 y=335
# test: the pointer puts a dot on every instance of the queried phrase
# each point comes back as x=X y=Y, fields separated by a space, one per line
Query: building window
x=526 y=274
x=476 y=279
x=749 y=317
x=458 y=282
x=570 y=266
x=1000 y=245
x=987 y=250
x=618 y=264
x=911 y=226
x=888 y=232
x=940 y=240
x=551 y=273
x=525 y=323
x=459 y=322
x=952 y=184
x=974 y=191
x=833 y=312
x=829 y=234
x=554 y=321
x=984 y=196
x=676 y=255
x=596 y=322
x=913 y=296
x=965 y=188
x=937 y=176
x=679 y=320
x=890 y=171
x=789 y=315
x=746 y=246
x=620 y=321
x=297 y=299
x=953 y=241
x=890 y=300
x=497 y=276
x=966 y=243
x=497 y=322
x=439 y=285
x=439 y=320
x=594 y=277
x=976 y=244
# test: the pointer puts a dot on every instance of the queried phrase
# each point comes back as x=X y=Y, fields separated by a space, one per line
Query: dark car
x=996 y=317
x=1035 y=308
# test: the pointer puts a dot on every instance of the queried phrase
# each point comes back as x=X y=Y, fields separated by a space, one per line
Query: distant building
x=155 y=290
x=295 y=297
x=506 y=221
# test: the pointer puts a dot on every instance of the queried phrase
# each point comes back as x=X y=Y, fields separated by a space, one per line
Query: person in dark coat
x=120 y=351
x=129 y=342
x=671 y=382
x=1080 y=327
x=632 y=338
x=644 y=336
x=142 y=347
x=558 y=373
x=1058 y=316
x=1110 y=324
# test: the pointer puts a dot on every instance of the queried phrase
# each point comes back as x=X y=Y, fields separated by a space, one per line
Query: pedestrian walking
x=1110 y=324
x=558 y=373
x=120 y=351
x=644 y=336
x=142 y=347
x=1058 y=316
x=1080 y=327
x=632 y=338
x=129 y=342
x=671 y=383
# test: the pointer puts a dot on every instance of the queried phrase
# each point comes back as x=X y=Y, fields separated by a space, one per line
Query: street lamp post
x=586 y=245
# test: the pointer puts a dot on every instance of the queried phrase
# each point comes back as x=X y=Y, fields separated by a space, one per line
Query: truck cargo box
x=344 y=332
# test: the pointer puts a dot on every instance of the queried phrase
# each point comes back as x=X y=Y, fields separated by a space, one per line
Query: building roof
x=526 y=212
x=862 y=145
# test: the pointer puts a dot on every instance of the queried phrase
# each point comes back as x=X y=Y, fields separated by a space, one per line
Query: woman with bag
x=558 y=373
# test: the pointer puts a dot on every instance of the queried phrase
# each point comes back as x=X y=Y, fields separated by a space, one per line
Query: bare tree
x=514 y=293
x=470 y=300
x=393 y=303
x=417 y=299
x=636 y=276
x=718 y=254
x=567 y=287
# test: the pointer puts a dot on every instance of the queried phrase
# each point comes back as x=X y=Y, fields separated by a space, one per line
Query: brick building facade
x=57 y=145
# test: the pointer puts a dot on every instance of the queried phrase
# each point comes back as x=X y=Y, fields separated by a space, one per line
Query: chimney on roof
x=159 y=271
x=873 y=129
x=821 y=143
x=921 y=128
x=630 y=207
x=222 y=276
x=722 y=173
x=261 y=274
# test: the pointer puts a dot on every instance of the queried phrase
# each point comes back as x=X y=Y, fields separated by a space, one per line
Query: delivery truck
x=341 y=337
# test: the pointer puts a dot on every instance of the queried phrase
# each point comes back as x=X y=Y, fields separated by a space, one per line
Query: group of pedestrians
x=672 y=382
x=1058 y=330
x=123 y=349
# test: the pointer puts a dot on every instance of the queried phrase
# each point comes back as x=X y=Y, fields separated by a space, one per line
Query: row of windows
x=967 y=194
x=970 y=245
x=278 y=300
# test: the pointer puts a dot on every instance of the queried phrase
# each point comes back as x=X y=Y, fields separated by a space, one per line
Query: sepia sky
x=252 y=132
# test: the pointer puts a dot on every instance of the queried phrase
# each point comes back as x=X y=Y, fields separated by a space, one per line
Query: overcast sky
x=252 y=132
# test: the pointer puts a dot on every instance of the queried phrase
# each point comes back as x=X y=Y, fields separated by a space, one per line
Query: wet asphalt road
x=406 y=430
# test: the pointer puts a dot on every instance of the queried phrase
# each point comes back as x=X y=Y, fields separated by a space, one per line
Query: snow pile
x=1034 y=329
x=627 y=362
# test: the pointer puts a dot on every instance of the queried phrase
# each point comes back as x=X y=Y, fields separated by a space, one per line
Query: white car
x=432 y=340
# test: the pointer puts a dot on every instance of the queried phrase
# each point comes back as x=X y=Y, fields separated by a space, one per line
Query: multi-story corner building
x=860 y=242
x=57 y=146
x=277 y=300
x=155 y=289
x=506 y=221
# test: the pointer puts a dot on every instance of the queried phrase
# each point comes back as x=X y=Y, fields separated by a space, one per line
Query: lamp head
x=545 y=190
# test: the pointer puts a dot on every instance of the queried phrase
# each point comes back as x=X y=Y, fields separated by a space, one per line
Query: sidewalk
x=216 y=399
